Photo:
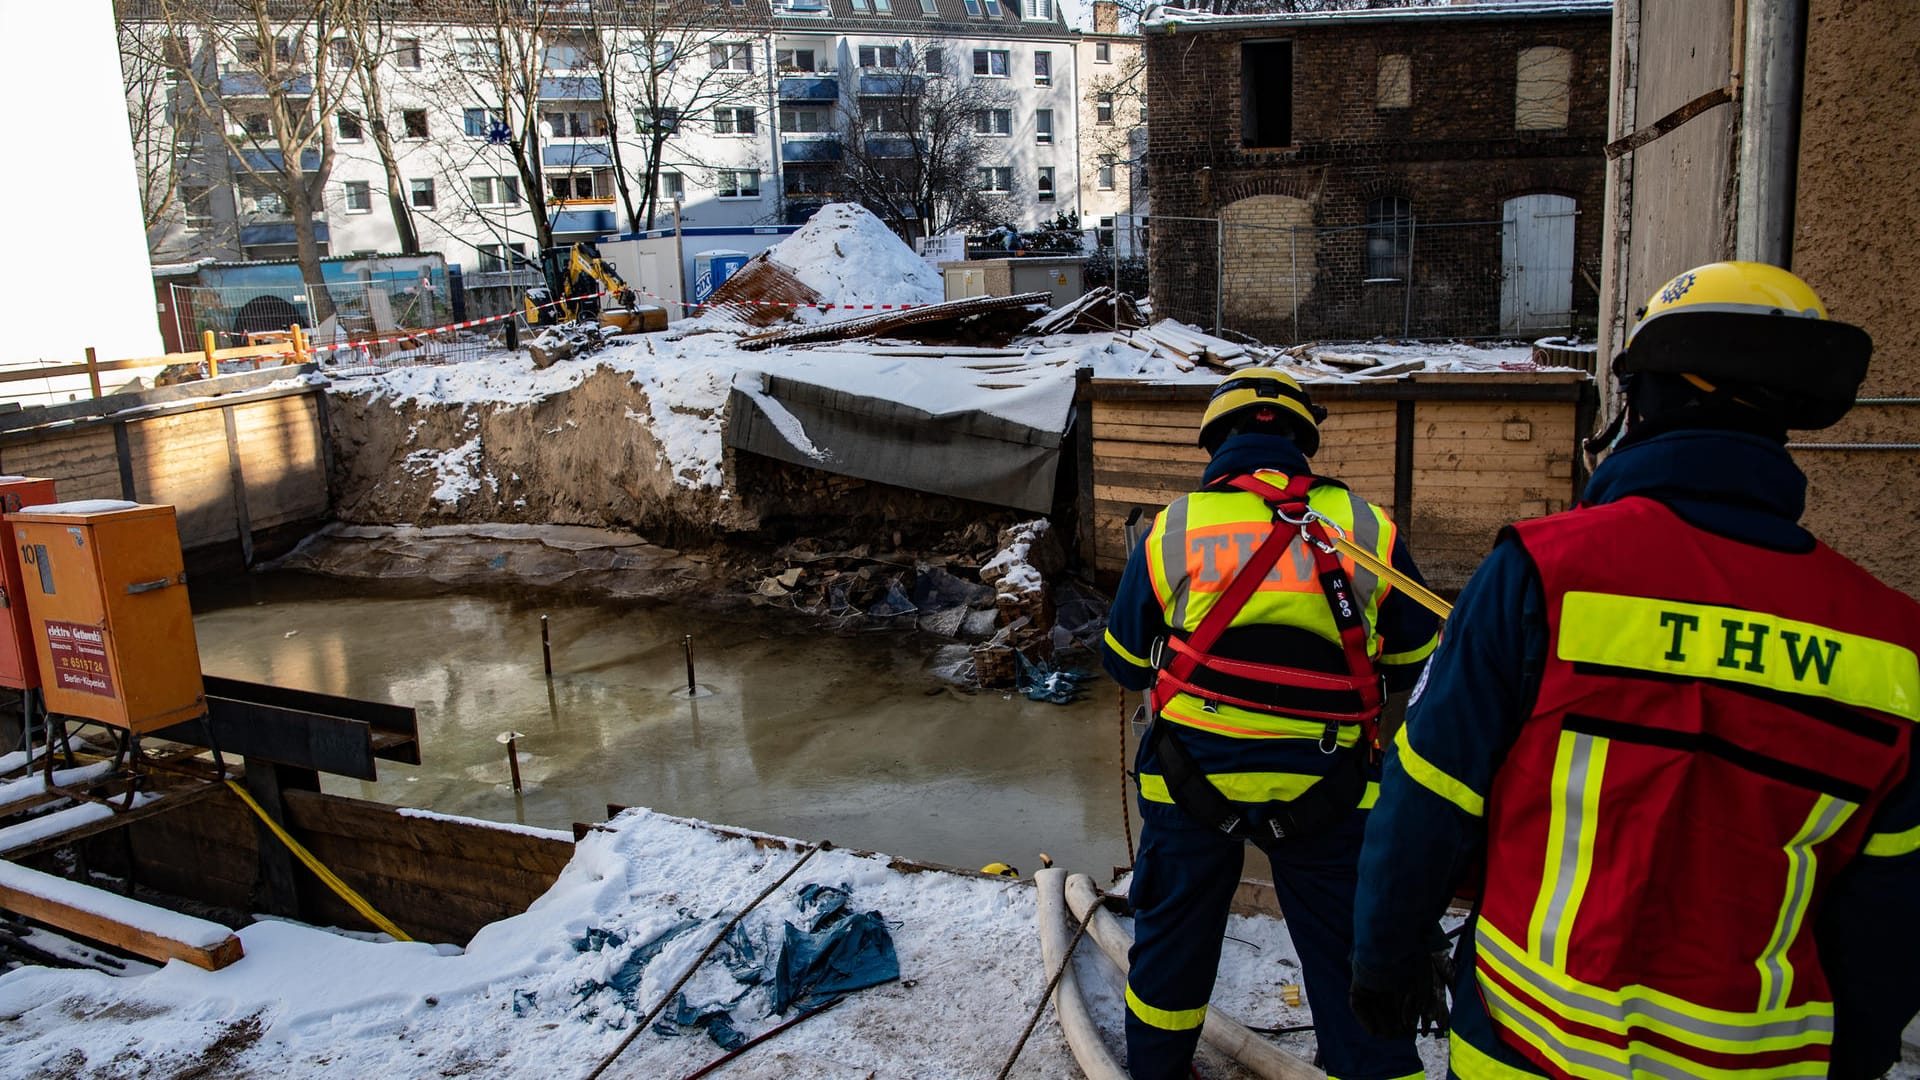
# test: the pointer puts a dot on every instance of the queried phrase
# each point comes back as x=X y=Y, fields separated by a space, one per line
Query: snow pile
x=846 y=255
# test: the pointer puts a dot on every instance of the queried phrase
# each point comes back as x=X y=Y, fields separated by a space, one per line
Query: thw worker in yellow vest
x=1267 y=656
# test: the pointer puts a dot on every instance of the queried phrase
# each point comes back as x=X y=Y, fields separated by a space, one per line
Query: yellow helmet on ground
x=1000 y=869
x=1751 y=325
x=1254 y=393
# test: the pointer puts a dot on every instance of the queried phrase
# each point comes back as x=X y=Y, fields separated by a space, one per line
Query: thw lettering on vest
x=1709 y=641
x=1206 y=567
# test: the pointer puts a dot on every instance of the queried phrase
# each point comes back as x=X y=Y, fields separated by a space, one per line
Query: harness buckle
x=1157 y=655
x=1207 y=706
x=1330 y=737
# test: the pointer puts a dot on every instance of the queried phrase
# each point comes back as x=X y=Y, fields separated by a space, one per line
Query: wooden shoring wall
x=439 y=879
x=1452 y=458
x=232 y=466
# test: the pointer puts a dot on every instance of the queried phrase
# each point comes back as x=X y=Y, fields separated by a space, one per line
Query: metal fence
x=1286 y=283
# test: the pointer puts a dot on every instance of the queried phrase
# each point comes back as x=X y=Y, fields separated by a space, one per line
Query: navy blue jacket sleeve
x=1430 y=826
x=1868 y=934
x=1408 y=632
x=1134 y=622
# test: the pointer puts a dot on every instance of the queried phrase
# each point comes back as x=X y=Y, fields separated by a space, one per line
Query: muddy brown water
x=799 y=731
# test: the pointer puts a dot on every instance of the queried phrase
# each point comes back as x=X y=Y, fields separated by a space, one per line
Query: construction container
x=19 y=666
x=107 y=599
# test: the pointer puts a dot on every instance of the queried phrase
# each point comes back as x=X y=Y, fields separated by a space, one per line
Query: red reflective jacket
x=1715 y=726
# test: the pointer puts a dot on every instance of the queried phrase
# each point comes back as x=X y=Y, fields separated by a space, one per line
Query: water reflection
x=805 y=733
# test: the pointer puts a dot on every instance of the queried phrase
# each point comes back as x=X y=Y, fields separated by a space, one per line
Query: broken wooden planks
x=98 y=915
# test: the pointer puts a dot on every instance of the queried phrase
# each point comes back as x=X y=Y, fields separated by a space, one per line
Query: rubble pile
x=1018 y=573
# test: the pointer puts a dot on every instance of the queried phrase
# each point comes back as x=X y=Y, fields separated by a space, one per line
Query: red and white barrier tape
x=781 y=304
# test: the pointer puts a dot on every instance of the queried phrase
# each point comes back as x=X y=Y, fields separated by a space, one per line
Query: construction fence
x=1284 y=284
x=355 y=327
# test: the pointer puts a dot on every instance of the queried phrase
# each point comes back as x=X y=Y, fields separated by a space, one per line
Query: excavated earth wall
x=587 y=456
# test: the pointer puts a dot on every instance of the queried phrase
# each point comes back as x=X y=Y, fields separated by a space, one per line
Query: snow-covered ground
x=539 y=995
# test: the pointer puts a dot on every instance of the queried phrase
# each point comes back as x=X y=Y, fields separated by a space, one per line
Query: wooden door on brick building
x=1536 y=263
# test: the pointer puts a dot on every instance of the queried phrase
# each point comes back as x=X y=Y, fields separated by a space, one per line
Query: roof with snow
x=1162 y=17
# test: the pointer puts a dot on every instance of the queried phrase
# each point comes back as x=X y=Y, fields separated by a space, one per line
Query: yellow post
x=93 y=371
x=206 y=345
x=299 y=344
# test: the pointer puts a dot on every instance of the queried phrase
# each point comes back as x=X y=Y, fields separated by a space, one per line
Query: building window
x=497 y=257
x=990 y=63
x=341 y=53
x=736 y=56
x=565 y=187
x=248 y=50
x=197 y=199
x=793 y=59
x=1037 y=10
x=993 y=9
x=885 y=114
x=1395 y=89
x=973 y=9
x=414 y=123
x=406 y=53
x=1046 y=184
x=1389 y=238
x=256 y=125
x=671 y=187
x=929 y=7
x=739 y=183
x=1104 y=178
x=1043 y=69
x=859 y=6
x=575 y=123
x=879 y=56
x=803 y=119
x=350 y=129
x=996 y=179
x=359 y=198
x=664 y=54
x=1541 y=80
x=1103 y=52
x=421 y=194
x=883 y=7
x=732 y=121
x=1103 y=107
x=993 y=122
x=476 y=54
x=660 y=121
x=496 y=190
x=934 y=59
x=1043 y=125
x=1266 y=93
x=479 y=123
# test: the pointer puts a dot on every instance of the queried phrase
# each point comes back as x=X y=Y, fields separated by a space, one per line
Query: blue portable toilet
x=710 y=268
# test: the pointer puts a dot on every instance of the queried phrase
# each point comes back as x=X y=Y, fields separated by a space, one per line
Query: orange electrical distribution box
x=19 y=668
x=106 y=589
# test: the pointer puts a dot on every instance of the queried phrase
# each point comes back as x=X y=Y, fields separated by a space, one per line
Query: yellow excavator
x=576 y=278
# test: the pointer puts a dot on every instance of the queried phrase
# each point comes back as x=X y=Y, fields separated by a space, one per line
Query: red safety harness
x=1179 y=660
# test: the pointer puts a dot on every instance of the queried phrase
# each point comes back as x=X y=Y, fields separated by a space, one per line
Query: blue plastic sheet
x=1041 y=681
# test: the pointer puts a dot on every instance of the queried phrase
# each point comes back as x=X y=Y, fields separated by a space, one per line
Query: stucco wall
x=1856 y=227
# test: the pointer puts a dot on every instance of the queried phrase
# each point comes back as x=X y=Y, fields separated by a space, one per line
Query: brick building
x=1427 y=171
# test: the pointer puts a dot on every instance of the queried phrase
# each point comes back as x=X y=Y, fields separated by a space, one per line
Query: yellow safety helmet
x=1751 y=325
x=1262 y=388
x=1000 y=869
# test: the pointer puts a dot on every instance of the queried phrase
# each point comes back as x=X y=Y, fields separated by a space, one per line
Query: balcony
x=272 y=160
x=805 y=150
x=279 y=232
x=594 y=222
x=576 y=155
x=570 y=88
x=881 y=146
x=249 y=84
x=810 y=89
x=892 y=85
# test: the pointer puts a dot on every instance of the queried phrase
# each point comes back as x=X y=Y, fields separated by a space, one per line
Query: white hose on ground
x=1222 y=1032
x=1083 y=1036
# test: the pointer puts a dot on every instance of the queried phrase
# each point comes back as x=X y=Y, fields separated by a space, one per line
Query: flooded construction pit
x=796 y=730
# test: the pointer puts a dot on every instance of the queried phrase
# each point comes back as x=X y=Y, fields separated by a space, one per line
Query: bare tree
x=277 y=96
x=910 y=145
x=369 y=42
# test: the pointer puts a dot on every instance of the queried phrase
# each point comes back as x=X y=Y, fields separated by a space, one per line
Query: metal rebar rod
x=692 y=687
x=546 y=647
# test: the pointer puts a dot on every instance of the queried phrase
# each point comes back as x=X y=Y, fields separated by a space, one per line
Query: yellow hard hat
x=1753 y=325
x=1000 y=869
x=1263 y=388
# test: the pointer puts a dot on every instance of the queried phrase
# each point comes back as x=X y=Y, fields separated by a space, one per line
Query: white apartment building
x=1112 y=121
x=751 y=154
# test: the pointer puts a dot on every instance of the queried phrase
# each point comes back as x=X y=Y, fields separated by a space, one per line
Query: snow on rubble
x=849 y=256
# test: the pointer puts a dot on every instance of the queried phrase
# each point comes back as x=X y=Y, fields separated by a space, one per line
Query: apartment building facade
x=751 y=105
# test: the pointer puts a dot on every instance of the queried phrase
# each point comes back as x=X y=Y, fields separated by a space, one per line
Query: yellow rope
x=340 y=888
x=1424 y=596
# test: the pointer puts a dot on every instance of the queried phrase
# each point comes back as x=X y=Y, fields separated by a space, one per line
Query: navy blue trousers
x=1184 y=878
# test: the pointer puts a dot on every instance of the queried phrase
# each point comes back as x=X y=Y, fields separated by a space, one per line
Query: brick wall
x=1454 y=154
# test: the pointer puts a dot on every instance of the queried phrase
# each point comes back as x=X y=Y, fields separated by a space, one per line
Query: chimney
x=1106 y=16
